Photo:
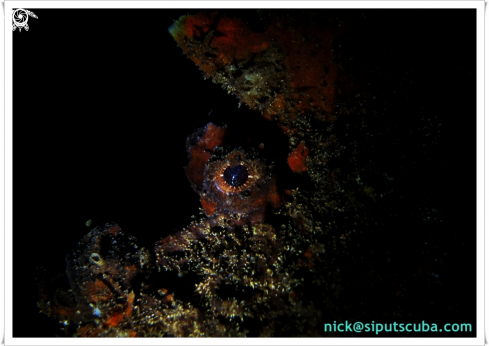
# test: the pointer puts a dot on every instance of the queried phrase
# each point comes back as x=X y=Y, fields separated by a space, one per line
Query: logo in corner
x=20 y=18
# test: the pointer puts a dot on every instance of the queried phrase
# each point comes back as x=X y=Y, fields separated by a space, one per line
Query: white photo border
x=7 y=208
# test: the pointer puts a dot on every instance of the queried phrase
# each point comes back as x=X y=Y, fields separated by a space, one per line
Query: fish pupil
x=236 y=176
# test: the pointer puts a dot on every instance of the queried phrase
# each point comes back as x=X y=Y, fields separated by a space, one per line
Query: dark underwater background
x=104 y=100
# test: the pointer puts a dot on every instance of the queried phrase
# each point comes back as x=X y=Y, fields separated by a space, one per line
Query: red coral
x=229 y=40
x=297 y=159
x=114 y=320
x=290 y=69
